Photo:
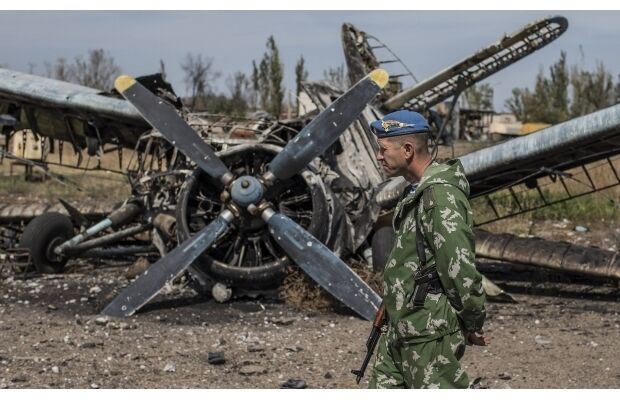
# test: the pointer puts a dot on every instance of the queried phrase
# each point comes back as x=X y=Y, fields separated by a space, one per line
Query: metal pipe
x=561 y=256
x=118 y=251
x=118 y=217
x=106 y=239
x=79 y=238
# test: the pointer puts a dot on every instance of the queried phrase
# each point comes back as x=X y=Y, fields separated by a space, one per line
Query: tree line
x=562 y=93
x=261 y=89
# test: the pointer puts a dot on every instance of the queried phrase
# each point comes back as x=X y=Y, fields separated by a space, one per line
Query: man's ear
x=408 y=147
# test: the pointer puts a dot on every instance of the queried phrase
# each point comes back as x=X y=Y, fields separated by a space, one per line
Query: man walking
x=433 y=294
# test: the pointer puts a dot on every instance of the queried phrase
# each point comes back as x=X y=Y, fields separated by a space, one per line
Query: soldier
x=433 y=293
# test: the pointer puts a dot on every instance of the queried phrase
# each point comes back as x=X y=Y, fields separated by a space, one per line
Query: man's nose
x=379 y=156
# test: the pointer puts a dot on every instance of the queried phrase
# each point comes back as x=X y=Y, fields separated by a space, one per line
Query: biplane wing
x=83 y=116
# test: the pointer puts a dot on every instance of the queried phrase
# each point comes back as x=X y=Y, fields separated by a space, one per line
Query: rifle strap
x=426 y=279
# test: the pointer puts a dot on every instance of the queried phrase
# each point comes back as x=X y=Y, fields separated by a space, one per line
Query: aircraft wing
x=69 y=112
x=567 y=160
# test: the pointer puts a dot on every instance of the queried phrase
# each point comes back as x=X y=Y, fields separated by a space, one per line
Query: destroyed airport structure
x=234 y=201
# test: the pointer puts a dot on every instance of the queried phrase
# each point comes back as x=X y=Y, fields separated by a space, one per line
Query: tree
x=515 y=104
x=549 y=101
x=557 y=91
x=199 y=74
x=255 y=85
x=238 y=85
x=592 y=90
x=300 y=75
x=276 y=75
x=162 y=69
x=61 y=70
x=336 y=77
x=98 y=71
x=267 y=79
x=479 y=97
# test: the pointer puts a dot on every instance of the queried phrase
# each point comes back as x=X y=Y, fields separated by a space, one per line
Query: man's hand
x=475 y=338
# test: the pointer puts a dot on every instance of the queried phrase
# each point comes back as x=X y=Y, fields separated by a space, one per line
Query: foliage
x=98 y=70
x=267 y=79
x=336 y=77
x=564 y=94
x=478 y=97
x=300 y=75
x=199 y=75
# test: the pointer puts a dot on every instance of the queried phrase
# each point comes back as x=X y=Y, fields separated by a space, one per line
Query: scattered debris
x=19 y=378
x=94 y=290
x=216 y=358
x=542 y=340
x=294 y=384
x=505 y=376
x=170 y=367
x=252 y=369
x=137 y=268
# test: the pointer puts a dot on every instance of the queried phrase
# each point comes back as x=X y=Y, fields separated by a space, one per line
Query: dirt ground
x=562 y=333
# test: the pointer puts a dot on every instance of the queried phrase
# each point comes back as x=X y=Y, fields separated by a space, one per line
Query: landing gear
x=41 y=236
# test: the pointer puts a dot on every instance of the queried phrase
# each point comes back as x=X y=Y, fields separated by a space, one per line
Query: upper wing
x=65 y=111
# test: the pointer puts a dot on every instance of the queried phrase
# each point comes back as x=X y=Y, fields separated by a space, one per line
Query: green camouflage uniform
x=423 y=345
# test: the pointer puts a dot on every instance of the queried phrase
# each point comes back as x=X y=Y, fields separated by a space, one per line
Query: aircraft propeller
x=246 y=192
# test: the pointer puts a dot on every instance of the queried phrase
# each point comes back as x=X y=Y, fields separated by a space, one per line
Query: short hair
x=419 y=141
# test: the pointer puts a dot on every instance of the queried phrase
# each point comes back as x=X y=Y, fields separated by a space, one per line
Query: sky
x=427 y=41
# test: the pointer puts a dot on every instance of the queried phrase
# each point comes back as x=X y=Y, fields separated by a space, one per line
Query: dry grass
x=97 y=185
x=302 y=293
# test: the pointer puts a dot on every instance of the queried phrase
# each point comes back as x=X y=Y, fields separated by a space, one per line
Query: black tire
x=382 y=242
x=40 y=237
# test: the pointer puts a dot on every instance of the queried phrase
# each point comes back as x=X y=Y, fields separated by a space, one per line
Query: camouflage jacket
x=446 y=218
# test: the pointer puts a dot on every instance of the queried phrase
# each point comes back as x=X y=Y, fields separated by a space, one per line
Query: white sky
x=427 y=41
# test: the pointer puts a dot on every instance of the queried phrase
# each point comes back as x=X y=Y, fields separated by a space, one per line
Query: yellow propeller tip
x=123 y=83
x=380 y=77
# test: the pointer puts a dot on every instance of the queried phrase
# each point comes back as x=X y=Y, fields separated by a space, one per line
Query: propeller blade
x=323 y=266
x=166 y=269
x=323 y=131
x=165 y=119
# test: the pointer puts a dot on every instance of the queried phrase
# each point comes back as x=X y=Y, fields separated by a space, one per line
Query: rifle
x=371 y=343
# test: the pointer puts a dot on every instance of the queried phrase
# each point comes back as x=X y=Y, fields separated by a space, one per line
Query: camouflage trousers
x=433 y=364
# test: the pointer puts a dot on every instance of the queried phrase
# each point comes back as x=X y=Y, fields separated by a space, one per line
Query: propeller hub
x=246 y=190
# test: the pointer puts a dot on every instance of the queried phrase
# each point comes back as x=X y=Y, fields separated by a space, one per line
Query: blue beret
x=402 y=122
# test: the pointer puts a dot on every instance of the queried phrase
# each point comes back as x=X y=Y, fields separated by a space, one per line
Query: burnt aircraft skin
x=361 y=58
x=147 y=190
x=156 y=186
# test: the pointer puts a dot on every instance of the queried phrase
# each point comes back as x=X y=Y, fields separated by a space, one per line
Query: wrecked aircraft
x=183 y=186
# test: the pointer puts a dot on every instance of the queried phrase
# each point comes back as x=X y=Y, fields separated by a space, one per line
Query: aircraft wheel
x=41 y=235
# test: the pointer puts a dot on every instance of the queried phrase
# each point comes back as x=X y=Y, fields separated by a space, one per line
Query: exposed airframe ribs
x=555 y=188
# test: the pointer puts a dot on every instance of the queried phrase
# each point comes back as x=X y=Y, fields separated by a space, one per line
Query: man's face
x=392 y=157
